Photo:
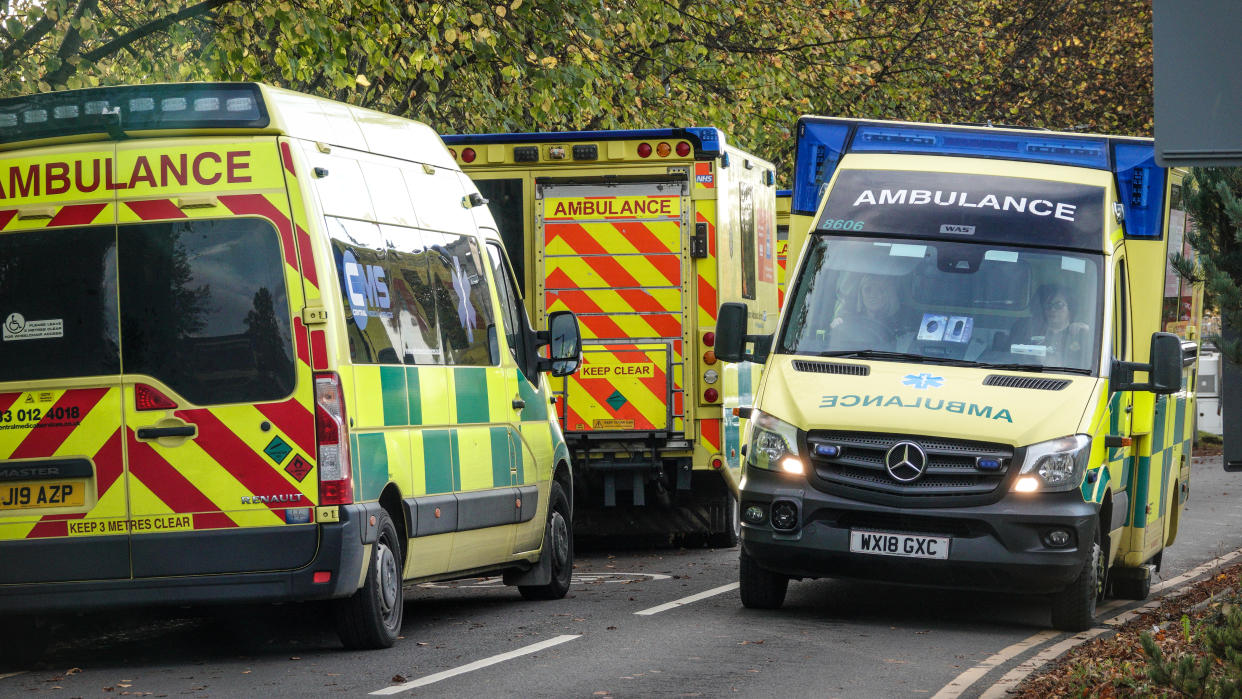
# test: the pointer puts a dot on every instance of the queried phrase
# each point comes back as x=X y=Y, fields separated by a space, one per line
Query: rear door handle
x=157 y=432
x=518 y=404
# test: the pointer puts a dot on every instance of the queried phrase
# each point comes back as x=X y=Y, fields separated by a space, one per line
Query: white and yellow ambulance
x=261 y=346
x=969 y=386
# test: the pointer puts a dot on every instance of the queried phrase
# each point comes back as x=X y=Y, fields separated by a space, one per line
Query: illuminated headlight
x=1054 y=466
x=773 y=444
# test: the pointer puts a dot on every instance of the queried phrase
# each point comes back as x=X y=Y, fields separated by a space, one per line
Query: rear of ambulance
x=159 y=423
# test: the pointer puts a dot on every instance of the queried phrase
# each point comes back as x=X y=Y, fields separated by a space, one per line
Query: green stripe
x=414 y=395
x=536 y=407
x=471 y=388
x=518 y=456
x=1138 y=507
x=456 y=454
x=372 y=465
x=500 y=457
x=438 y=461
x=1158 y=424
x=1180 y=427
x=392 y=385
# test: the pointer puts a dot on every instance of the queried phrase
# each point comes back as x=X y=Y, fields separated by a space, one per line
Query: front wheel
x=558 y=542
x=1073 y=609
x=371 y=617
x=760 y=588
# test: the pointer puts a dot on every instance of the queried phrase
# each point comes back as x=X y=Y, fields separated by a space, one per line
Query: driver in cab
x=872 y=318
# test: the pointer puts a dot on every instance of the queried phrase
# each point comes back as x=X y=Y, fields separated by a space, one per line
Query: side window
x=1121 y=312
x=412 y=296
x=513 y=315
x=463 y=299
x=746 y=229
x=363 y=269
x=203 y=308
x=504 y=198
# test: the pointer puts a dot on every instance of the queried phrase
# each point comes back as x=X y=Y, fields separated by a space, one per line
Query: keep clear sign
x=16 y=327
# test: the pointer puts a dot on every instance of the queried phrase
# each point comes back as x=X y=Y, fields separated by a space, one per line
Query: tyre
x=760 y=588
x=25 y=640
x=558 y=542
x=371 y=618
x=733 y=526
x=1132 y=584
x=1073 y=609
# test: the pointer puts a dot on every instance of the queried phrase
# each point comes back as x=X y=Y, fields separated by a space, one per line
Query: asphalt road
x=636 y=623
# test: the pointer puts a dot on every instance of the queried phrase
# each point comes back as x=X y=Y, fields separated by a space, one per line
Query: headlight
x=773 y=444
x=1054 y=466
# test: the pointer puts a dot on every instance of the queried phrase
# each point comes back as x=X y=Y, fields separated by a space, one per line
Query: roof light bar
x=132 y=108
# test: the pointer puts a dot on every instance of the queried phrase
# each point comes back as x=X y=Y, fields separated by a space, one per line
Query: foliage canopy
x=746 y=66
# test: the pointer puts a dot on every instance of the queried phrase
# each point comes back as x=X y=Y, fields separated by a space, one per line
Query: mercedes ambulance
x=969 y=386
x=642 y=233
x=260 y=346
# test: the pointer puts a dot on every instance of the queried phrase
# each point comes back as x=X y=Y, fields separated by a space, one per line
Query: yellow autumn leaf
x=450 y=35
x=476 y=19
x=362 y=80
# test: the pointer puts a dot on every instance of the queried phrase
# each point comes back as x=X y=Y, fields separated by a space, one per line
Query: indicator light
x=453 y=153
x=663 y=149
x=1026 y=484
x=792 y=465
x=709 y=357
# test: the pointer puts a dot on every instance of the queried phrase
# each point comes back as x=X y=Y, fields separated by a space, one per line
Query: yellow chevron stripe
x=582 y=271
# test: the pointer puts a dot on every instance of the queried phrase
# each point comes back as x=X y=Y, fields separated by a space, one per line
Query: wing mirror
x=731 y=337
x=564 y=340
x=1164 y=372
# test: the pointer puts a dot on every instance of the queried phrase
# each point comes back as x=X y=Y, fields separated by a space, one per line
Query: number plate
x=905 y=545
x=43 y=494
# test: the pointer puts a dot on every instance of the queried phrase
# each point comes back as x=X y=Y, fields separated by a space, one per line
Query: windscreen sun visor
x=982 y=208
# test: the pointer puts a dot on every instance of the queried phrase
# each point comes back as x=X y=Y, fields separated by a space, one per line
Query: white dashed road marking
x=476 y=665
x=687 y=600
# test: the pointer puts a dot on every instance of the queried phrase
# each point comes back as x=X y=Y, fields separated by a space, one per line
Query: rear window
x=58 y=304
x=199 y=305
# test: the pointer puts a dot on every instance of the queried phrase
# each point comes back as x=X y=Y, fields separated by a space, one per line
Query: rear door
x=613 y=254
x=63 y=503
x=217 y=390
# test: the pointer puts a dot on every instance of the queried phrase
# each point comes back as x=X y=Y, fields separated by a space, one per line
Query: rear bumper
x=340 y=552
x=996 y=547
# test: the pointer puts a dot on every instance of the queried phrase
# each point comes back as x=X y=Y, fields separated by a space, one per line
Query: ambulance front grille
x=1039 y=384
x=956 y=470
x=832 y=368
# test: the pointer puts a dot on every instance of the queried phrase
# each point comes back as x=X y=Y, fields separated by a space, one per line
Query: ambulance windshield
x=946 y=301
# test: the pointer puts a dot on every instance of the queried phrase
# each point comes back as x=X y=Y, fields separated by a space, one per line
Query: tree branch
x=149 y=28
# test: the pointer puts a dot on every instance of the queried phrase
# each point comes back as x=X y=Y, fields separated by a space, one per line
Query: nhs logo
x=367 y=289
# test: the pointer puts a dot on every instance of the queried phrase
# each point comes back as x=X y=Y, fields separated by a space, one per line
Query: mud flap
x=538 y=574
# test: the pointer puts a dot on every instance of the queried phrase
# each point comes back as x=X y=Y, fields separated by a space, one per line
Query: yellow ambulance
x=260 y=346
x=969 y=386
x=784 y=200
x=642 y=233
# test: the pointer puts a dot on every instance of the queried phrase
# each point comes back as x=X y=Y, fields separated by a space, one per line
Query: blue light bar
x=1055 y=149
x=784 y=192
x=707 y=141
x=1140 y=185
x=132 y=108
x=820 y=146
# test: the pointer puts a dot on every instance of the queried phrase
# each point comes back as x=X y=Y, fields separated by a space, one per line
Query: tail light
x=683 y=148
x=468 y=155
x=336 y=478
x=148 y=398
x=644 y=150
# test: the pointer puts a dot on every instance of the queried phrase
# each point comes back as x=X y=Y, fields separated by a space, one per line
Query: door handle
x=157 y=432
x=518 y=404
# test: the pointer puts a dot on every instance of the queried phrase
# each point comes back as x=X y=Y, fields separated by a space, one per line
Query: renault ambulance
x=260 y=346
x=642 y=233
x=969 y=386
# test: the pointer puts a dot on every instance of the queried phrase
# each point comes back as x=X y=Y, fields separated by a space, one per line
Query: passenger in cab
x=1065 y=341
x=872 y=317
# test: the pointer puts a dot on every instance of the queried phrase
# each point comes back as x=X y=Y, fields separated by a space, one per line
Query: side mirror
x=1164 y=372
x=731 y=336
x=731 y=332
x=1166 y=363
x=564 y=342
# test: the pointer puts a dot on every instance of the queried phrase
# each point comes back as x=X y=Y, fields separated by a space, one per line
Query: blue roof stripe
x=708 y=139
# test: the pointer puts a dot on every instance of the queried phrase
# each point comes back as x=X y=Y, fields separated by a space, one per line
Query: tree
x=1213 y=198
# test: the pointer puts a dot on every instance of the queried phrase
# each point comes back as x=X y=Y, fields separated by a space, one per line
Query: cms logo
x=366 y=287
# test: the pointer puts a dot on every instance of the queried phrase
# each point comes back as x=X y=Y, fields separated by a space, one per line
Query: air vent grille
x=828 y=368
x=1038 y=384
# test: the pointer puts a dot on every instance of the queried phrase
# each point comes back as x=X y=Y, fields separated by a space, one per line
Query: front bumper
x=999 y=546
x=341 y=551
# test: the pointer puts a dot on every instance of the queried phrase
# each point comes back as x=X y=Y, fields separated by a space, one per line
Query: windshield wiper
x=1036 y=368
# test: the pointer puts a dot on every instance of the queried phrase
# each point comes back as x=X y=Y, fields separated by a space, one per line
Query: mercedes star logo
x=906 y=462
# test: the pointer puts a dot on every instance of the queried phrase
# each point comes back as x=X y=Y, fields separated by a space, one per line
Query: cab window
x=463 y=300
x=512 y=313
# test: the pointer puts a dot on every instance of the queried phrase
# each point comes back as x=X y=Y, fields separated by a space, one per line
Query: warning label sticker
x=599 y=371
x=16 y=327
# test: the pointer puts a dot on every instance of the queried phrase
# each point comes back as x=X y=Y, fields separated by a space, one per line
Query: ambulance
x=259 y=347
x=641 y=233
x=970 y=386
x=784 y=200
